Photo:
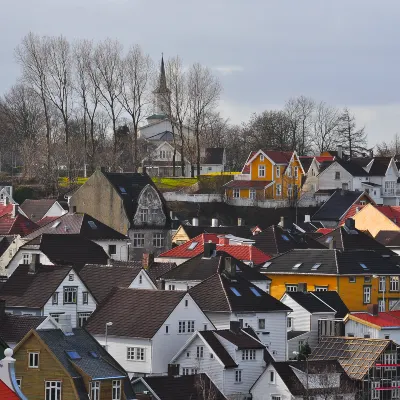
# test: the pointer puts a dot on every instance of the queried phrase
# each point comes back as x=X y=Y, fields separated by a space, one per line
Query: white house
x=45 y=290
x=41 y=210
x=232 y=358
x=145 y=328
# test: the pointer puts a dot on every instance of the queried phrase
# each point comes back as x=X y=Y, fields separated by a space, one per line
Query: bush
x=21 y=193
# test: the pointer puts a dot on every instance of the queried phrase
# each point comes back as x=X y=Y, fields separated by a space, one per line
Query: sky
x=342 y=52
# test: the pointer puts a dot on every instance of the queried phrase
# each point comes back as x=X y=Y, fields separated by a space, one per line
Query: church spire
x=162 y=82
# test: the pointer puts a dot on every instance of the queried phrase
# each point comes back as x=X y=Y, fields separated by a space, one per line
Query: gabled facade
x=270 y=175
x=37 y=210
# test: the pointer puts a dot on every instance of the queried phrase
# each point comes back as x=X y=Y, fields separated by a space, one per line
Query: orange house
x=268 y=174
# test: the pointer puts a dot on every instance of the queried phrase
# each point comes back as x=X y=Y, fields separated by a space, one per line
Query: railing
x=391 y=192
x=242 y=177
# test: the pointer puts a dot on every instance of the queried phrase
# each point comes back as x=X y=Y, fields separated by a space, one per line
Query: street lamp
x=384 y=289
x=297 y=353
x=107 y=325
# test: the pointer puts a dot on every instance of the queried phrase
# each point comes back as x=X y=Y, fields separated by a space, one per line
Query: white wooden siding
x=301 y=317
x=147 y=283
x=359 y=330
x=18 y=259
x=313 y=340
x=263 y=389
x=121 y=248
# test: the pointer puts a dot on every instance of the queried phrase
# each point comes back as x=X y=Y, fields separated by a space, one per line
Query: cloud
x=228 y=69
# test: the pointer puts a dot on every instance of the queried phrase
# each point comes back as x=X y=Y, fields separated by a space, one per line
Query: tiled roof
x=351 y=212
x=324 y=231
x=151 y=306
x=388 y=238
x=68 y=249
x=245 y=253
x=46 y=220
x=321 y=159
x=352 y=167
x=392 y=212
x=5 y=209
x=213 y=155
x=246 y=167
x=23 y=289
x=36 y=209
x=279 y=157
x=5 y=242
x=211 y=338
x=78 y=224
x=14 y=327
x=181 y=387
x=20 y=225
x=389 y=319
x=6 y=393
x=309 y=302
x=332 y=299
x=239 y=184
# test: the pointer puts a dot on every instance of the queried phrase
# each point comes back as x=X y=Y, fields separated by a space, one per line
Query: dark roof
x=218 y=348
x=379 y=166
x=239 y=231
x=14 y=327
x=18 y=225
x=5 y=242
x=151 y=306
x=36 y=209
x=102 y=367
x=337 y=205
x=23 y=289
x=353 y=239
x=352 y=167
x=332 y=262
x=295 y=334
x=306 y=162
x=133 y=184
x=275 y=240
x=213 y=155
x=74 y=224
x=309 y=302
x=388 y=238
x=242 y=339
x=185 y=387
x=217 y=294
x=68 y=249
x=333 y=300
x=308 y=227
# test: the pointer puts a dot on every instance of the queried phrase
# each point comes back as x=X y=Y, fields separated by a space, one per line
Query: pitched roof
x=351 y=212
x=379 y=166
x=388 y=319
x=20 y=225
x=213 y=155
x=68 y=249
x=392 y=212
x=324 y=231
x=239 y=184
x=218 y=293
x=152 y=306
x=78 y=224
x=388 y=238
x=218 y=348
x=295 y=334
x=353 y=167
x=355 y=355
x=306 y=162
x=36 y=209
x=46 y=220
x=5 y=242
x=5 y=209
x=182 y=387
x=310 y=302
x=321 y=159
x=240 y=231
x=23 y=289
x=332 y=299
x=337 y=205
x=14 y=327
x=241 y=339
x=246 y=166
x=6 y=393
x=279 y=157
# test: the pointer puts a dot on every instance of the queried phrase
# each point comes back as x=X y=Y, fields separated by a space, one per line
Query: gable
x=150 y=199
x=142 y=281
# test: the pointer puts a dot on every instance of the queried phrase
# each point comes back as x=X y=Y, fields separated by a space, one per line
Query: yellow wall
x=254 y=169
x=372 y=220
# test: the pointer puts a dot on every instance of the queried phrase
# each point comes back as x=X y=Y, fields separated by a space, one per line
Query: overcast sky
x=344 y=52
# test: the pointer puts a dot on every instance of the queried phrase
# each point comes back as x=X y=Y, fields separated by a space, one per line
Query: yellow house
x=268 y=174
x=360 y=277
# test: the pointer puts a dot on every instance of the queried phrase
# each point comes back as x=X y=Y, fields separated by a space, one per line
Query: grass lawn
x=64 y=182
x=173 y=183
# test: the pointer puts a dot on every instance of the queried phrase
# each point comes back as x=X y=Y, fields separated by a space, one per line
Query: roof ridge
x=226 y=295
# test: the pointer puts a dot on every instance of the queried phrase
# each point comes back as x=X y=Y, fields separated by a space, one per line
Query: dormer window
x=261 y=157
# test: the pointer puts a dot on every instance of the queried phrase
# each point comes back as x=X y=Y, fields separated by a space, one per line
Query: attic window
x=56 y=224
x=255 y=292
x=73 y=355
x=92 y=224
x=284 y=237
x=234 y=290
x=363 y=266
x=296 y=266
x=193 y=245
x=328 y=239
x=122 y=190
x=315 y=267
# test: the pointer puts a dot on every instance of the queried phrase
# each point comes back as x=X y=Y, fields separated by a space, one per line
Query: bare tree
x=204 y=90
x=205 y=388
x=135 y=94
x=325 y=127
x=390 y=149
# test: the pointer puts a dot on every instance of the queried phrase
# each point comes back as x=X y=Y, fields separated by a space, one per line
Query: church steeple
x=161 y=94
x=162 y=81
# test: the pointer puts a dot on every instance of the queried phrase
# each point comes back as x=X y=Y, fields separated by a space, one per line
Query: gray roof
x=310 y=302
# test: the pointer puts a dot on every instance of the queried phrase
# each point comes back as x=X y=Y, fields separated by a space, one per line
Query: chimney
x=35 y=262
x=209 y=249
x=307 y=218
x=64 y=320
x=2 y=308
x=103 y=169
x=302 y=287
x=229 y=267
x=285 y=223
x=6 y=200
x=373 y=309
x=234 y=326
x=350 y=223
x=332 y=244
x=14 y=210
x=173 y=369
x=240 y=222
x=340 y=151
x=195 y=222
x=214 y=222
x=161 y=284
x=147 y=260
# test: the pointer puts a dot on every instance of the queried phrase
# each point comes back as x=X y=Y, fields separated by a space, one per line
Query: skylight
x=284 y=237
x=56 y=224
x=328 y=239
x=122 y=189
x=296 y=266
x=93 y=354
x=254 y=290
x=193 y=245
x=267 y=264
x=234 y=290
x=73 y=355
x=363 y=266
x=315 y=267
x=92 y=224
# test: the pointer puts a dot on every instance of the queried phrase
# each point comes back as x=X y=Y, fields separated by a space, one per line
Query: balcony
x=391 y=193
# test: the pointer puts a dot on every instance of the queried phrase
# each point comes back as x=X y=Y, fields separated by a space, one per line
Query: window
x=144 y=215
x=381 y=305
x=261 y=323
x=321 y=288
x=261 y=171
x=19 y=382
x=34 y=360
x=167 y=329
x=94 y=391
x=367 y=336
x=205 y=327
x=268 y=288
x=186 y=303
x=382 y=283
x=279 y=189
x=55 y=316
x=53 y=391
x=192 y=245
x=112 y=249
x=235 y=291
x=352 y=279
x=189 y=371
x=367 y=295
x=337 y=175
x=171 y=287
x=83 y=317
x=271 y=376
x=392 y=303
x=278 y=171
x=70 y=293
x=26 y=259
x=315 y=267
x=296 y=172
x=396 y=392
x=289 y=172
x=375 y=393
x=200 y=351
x=116 y=390
x=289 y=189
x=158 y=240
x=275 y=397
x=394 y=283
x=261 y=157
x=211 y=355
x=252 y=194
x=297 y=266
x=188 y=354
x=248 y=355
x=135 y=354
x=92 y=224
x=390 y=358
x=138 y=240
x=185 y=326
x=387 y=337
x=363 y=266
x=140 y=279
x=291 y=288
x=255 y=292
x=390 y=187
x=85 y=297
x=236 y=193
x=238 y=376
x=54 y=298
x=289 y=323
x=241 y=323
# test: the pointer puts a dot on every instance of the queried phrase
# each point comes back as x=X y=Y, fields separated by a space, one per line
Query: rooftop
x=36 y=209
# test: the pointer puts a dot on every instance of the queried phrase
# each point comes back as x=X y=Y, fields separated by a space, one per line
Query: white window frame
x=262 y=158
x=390 y=358
x=382 y=284
x=394 y=284
x=396 y=392
x=144 y=214
x=337 y=175
x=238 y=376
x=248 y=355
x=261 y=323
x=158 y=240
x=70 y=294
x=33 y=359
x=26 y=258
x=252 y=194
x=289 y=189
x=273 y=375
x=136 y=353
x=110 y=247
x=95 y=390
x=367 y=295
x=381 y=305
x=116 y=389
x=321 y=288
x=171 y=287
x=278 y=171
x=199 y=351
x=276 y=397
x=296 y=172
x=261 y=171
x=236 y=193
x=49 y=386
x=289 y=171
x=83 y=317
x=138 y=240
x=289 y=288
x=54 y=298
x=289 y=323
x=278 y=189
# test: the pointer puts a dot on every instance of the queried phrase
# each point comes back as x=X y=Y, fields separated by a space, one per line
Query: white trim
x=257 y=154
x=148 y=387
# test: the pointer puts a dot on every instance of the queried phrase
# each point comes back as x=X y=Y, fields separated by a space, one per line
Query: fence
x=193 y=198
